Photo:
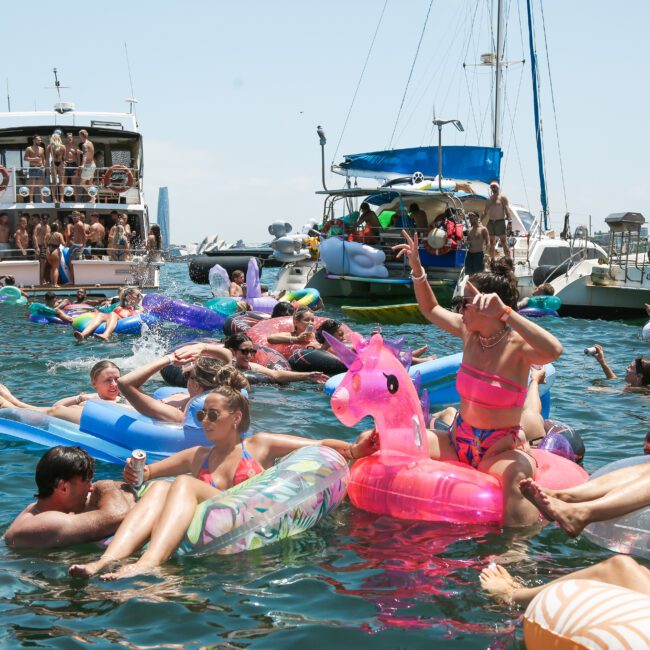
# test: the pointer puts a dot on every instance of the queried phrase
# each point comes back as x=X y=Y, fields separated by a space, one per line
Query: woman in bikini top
x=163 y=514
x=499 y=347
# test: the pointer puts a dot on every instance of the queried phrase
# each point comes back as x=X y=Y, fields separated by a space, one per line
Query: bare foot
x=130 y=571
x=103 y=337
x=538 y=373
x=79 y=336
x=91 y=568
x=418 y=352
x=498 y=582
x=567 y=516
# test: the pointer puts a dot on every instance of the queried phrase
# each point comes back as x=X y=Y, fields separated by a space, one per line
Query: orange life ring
x=4 y=172
x=121 y=187
x=435 y=251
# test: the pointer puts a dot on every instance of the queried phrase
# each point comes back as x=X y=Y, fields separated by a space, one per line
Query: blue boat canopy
x=466 y=163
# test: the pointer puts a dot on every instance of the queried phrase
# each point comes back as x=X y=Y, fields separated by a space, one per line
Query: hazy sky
x=231 y=93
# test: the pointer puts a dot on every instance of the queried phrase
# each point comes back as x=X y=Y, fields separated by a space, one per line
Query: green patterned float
x=282 y=501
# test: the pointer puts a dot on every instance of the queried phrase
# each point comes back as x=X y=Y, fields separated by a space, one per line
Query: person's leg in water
x=185 y=494
x=9 y=400
x=617 y=498
x=620 y=571
x=111 y=324
x=133 y=532
x=532 y=421
x=93 y=324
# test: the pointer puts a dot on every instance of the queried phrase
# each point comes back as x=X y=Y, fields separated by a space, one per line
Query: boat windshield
x=527 y=219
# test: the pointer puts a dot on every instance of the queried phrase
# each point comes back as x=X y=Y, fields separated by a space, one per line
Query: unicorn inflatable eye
x=391 y=383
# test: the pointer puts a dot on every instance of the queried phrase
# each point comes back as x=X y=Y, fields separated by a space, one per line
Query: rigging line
x=513 y=136
x=363 y=70
x=128 y=65
x=557 y=131
x=408 y=81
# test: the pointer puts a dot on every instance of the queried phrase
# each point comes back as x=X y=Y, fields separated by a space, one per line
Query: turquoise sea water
x=355 y=580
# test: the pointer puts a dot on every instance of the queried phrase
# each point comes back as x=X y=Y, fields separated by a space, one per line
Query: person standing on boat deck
x=69 y=507
x=41 y=231
x=77 y=241
x=367 y=216
x=4 y=235
x=88 y=161
x=72 y=160
x=96 y=236
x=499 y=217
x=55 y=154
x=35 y=157
x=478 y=240
x=21 y=236
x=419 y=217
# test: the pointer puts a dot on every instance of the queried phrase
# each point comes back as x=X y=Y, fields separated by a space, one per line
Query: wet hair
x=10 y=281
x=126 y=292
x=237 y=273
x=211 y=373
x=364 y=205
x=500 y=279
x=62 y=464
x=235 y=401
x=99 y=366
x=300 y=313
x=642 y=367
x=330 y=326
x=283 y=309
x=50 y=295
x=546 y=289
x=234 y=341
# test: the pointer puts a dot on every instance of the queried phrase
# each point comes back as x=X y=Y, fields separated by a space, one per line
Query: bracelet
x=171 y=358
x=506 y=314
x=418 y=278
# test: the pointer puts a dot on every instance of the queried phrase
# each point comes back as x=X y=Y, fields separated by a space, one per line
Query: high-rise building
x=163 y=215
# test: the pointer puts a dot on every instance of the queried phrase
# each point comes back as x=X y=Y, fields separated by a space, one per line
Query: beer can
x=138 y=461
x=591 y=352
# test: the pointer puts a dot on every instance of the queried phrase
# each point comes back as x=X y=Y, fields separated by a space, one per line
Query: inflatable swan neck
x=377 y=384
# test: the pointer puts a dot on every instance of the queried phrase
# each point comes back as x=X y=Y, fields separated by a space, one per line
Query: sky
x=230 y=95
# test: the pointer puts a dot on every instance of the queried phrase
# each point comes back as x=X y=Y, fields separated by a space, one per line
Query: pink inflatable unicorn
x=400 y=479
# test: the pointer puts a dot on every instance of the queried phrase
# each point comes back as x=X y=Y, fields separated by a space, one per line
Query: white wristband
x=418 y=278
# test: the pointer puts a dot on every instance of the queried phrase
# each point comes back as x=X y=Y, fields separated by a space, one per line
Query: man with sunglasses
x=637 y=374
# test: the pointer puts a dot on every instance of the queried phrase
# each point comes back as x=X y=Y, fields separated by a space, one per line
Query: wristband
x=506 y=314
x=418 y=278
x=171 y=359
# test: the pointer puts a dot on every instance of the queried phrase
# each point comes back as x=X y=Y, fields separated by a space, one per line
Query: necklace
x=487 y=342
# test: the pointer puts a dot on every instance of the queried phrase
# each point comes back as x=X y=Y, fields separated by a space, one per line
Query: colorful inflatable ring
x=627 y=534
x=42 y=314
x=129 y=325
x=303 y=297
x=182 y=313
x=537 y=312
x=10 y=295
x=283 y=501
x=587 y=614
x=222 y=305
x=107 y=181
x=544 y=302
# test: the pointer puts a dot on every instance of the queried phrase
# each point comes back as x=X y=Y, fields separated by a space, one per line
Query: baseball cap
x=494 y=184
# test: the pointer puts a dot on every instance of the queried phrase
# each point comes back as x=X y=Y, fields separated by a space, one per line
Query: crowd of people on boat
x=491 y=431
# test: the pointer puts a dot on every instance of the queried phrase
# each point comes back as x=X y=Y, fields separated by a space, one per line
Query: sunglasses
x=249 y=351
x=212 y=414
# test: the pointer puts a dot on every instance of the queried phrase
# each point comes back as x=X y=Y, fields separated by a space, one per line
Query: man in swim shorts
x=499 y=217
x=88 y=162
x=69 y=507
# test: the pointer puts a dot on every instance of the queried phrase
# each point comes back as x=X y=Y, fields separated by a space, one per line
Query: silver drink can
x=138 y=461
x=591 y=352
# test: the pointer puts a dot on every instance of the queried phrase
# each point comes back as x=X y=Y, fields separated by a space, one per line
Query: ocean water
x=355 y=580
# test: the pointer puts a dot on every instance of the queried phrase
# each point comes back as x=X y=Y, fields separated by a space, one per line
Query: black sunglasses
x=249 y=351
x=212 y=414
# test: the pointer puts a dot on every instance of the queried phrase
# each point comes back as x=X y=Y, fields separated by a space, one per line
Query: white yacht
x=116 y=187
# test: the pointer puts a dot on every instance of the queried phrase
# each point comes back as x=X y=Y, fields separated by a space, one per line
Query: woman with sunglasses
x=163 y=514
x=129 y=305
x=204 y=374
x=302 y=334
x=637 y=374
x=499 y=348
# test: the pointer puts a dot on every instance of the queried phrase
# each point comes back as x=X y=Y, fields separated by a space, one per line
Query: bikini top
x=487 y=390
x=246 y=468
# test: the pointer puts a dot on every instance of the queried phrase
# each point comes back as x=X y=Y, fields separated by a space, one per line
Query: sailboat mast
x=538 y=123
x=498 y=79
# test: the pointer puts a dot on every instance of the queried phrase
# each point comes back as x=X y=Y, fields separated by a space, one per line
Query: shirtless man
x=367 y=216
x=497 y=211
x=77 y=240
x=478 y=240
x=35 y=157
x=96 y=235
x=69 y=509
x=4 y=235
x=88 y=162
x=72 y=161
x=41 y=231
x=21 y=236
x=419 y=217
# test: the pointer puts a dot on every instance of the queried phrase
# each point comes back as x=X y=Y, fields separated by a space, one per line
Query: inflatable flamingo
x=401 y=479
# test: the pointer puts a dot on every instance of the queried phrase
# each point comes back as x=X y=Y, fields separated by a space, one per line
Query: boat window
x=12 y=158
x=121 y=157
x=553 y=256
x=526 y=219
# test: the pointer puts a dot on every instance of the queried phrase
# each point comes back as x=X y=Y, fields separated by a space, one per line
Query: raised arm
x=288 y=376
x=179 y=463
x=130 y=387
x=52 y=529
x=431 y=310
x=600 y=357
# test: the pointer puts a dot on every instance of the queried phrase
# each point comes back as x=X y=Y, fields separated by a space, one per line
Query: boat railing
x=50 y=185
x=17 y=254
x=137 y=255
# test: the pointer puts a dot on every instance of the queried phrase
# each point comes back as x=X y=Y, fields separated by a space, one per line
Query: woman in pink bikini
x=499 y=347
x=164 y=513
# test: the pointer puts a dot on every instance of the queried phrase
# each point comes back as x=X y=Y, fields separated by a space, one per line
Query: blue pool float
x=10 y=295
x=183 y=313
x=128 y=325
